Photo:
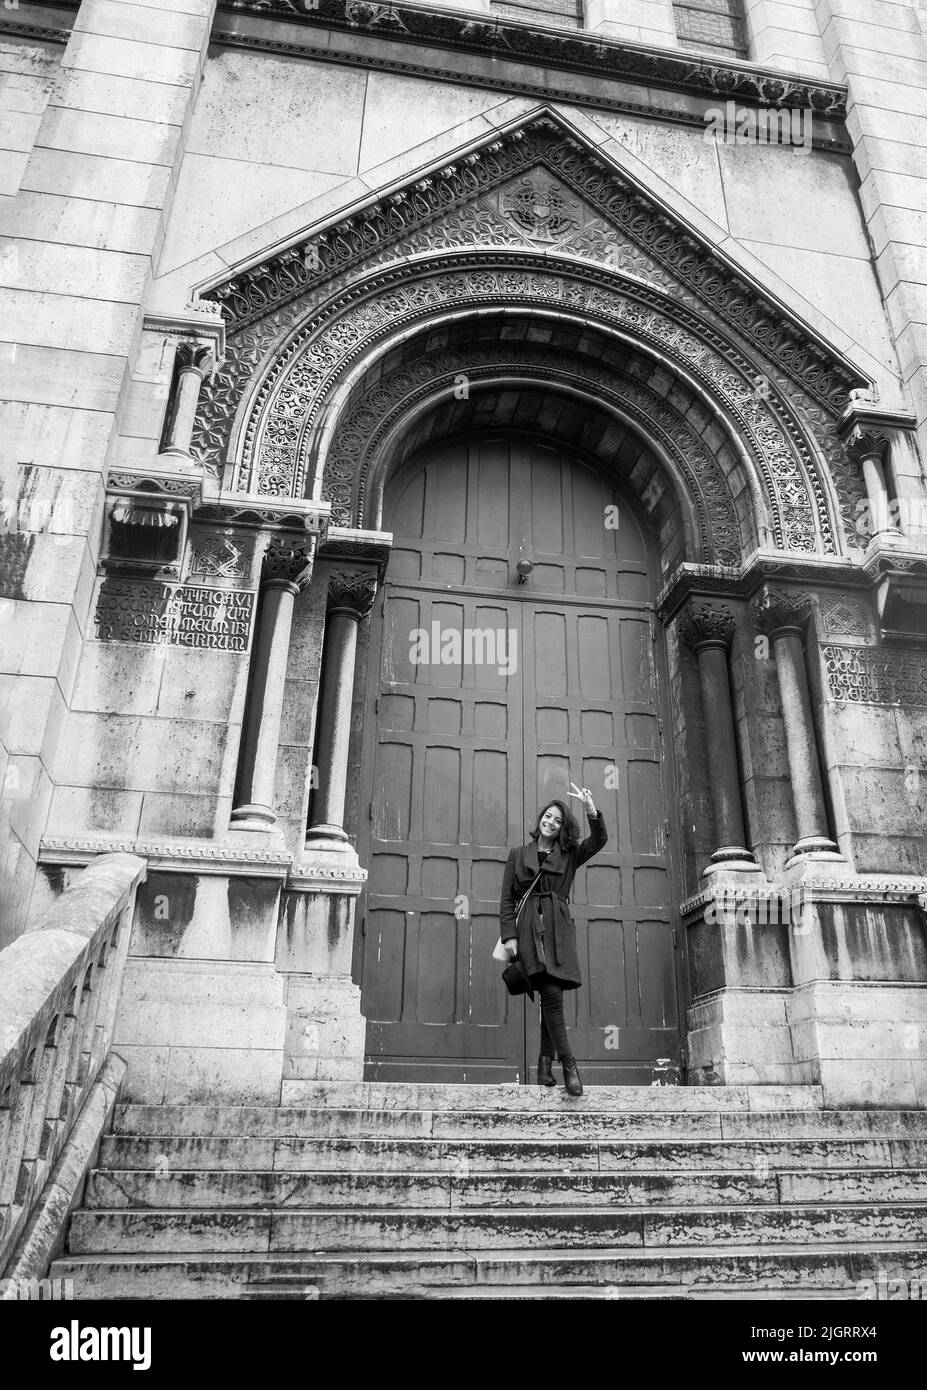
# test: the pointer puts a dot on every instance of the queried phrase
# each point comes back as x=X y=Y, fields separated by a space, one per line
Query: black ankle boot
x=545 y=1074
x=571 y=1077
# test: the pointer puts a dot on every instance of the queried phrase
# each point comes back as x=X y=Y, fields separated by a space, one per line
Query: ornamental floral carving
x=779 y=608
x=352 y=589
x=705 y=624
x=288 y=561
x=310 y=311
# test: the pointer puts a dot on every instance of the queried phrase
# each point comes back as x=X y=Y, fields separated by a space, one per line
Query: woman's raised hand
x=585 y=796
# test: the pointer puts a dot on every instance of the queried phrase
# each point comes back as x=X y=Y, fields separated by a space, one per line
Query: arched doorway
x=487 y=695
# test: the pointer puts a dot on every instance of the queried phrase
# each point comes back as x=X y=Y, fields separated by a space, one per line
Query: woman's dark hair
x=569 y=830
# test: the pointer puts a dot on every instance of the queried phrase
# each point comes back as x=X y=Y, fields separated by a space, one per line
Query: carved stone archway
x=534 y=221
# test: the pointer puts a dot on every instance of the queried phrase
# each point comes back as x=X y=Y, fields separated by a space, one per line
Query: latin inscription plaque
x=876 y=675
x=177 y=615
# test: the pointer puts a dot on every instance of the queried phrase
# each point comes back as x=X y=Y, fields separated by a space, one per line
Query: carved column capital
x=195 y=357
x=288 y=562
x=704 y=624
x=776 y=609
x=864 y=442
x=353 y=591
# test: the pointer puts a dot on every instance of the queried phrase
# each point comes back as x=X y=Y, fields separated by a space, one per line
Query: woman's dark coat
x=545 y=927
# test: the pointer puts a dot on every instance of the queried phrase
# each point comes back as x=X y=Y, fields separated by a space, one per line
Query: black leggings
x=554 y=1040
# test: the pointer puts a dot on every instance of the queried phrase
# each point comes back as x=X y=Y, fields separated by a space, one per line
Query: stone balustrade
x=59 y=991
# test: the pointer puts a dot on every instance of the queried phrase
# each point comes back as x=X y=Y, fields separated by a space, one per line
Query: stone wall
x=96 y=180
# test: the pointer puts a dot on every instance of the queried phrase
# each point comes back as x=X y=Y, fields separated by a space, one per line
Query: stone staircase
x=373 y=1190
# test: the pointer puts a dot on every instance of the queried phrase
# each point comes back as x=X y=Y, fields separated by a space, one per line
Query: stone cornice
x=268 y=513
x=819 y=571
x=199 y=323
x=326 y=878
x=178 y=856
x=858 y=888
x=207 y=857
x=576 y=51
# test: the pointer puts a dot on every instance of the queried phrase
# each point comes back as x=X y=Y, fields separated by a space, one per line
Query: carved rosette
x=288 y=562
x=352 y=591
x=777 y=609
x=706 y=625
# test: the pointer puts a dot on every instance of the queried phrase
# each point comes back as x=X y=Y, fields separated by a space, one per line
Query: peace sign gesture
x=585 y=796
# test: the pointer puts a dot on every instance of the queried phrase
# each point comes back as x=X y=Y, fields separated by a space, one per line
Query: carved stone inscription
x=865 y=676
x=178 y=615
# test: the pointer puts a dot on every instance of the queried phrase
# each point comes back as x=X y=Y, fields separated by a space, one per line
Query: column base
x=331 y=838
x=816 y=849
x=253 y=817
x=731 y=859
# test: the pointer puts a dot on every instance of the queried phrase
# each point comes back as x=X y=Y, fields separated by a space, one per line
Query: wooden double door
x=488 y=696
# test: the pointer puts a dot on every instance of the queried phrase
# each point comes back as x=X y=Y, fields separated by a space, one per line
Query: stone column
x=783 y=617
x=195 y=361
x=350 y=599
x=287 y=569
x=708 y=631
x=869 y=449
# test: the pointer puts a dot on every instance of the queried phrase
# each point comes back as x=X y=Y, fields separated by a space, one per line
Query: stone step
x=241 y=1153
x=183 y=1230
x=445 y=1192
x=563 y=1191
x=571 y=1124
x=403 y=1095
x=786 y=1270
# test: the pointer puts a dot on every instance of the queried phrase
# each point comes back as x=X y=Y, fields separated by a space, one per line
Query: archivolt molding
x=533 y=220
x=307 y=368
x=548 y=143
x=358 y=441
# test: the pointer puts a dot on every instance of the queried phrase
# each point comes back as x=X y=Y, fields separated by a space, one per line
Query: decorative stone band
x=307 y=877
x=353 y=592
x=860 y=888
x=704 y=625
x=165 y=484
x=577 y=51
x=268 y=513
x=210 y=858
x=180 y=856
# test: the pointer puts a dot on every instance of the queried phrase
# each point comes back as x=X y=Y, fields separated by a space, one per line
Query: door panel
x=466 y=742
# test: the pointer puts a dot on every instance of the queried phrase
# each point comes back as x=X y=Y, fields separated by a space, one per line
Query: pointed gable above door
x=541 y=185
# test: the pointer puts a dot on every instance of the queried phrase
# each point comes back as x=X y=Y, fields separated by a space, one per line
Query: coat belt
x=547 y=893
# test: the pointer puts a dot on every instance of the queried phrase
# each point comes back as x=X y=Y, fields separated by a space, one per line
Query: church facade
x=412 y=410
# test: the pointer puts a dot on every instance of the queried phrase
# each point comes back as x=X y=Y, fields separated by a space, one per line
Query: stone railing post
x=708 y=632
x=287 y=569
x=783 y=617
x=350 y=598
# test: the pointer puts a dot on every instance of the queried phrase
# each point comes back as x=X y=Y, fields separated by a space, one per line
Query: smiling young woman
x=544 y=937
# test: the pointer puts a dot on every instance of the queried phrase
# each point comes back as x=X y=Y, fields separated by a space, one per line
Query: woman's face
x=551 y=822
